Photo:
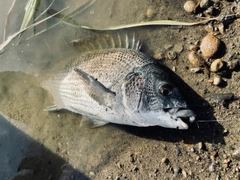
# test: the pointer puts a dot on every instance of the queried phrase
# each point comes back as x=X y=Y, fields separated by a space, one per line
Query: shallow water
x=37 y=144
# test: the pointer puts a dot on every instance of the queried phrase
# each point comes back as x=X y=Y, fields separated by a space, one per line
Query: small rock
x=200 y=145
x=227 y=161
x=176 y=170
x=165 y=160
x=221 y=98
x=151 y=12
x=184 y=173
x=189 y=6
x=91 y=173
x=225 y=132
x=119 y=165
x=221 y=28
x=210 y=81
x=195 y=70
x=198 y=158
x=174 y=68
x=210 y=46
x=217 y=81
x=192 y=149
x=216 y=65
x=212 y=167
x=131 y=159
x=195 y=59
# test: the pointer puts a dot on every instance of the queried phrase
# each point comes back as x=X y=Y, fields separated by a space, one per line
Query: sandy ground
x=62 y=145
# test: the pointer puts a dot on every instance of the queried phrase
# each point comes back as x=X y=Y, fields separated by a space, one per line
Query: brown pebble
x=164 y=160
x=227 y=161
x=195 y=59
x=198 y=158
x=210 y=81
x=216 y=65
x=210 y=46
x=189 y=6
x=119 y=165
x=132 y=159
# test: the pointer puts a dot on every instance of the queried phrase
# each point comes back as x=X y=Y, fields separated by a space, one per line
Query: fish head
x=152 y=99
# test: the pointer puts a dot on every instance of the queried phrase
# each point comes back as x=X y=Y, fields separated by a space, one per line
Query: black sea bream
x=119 y=85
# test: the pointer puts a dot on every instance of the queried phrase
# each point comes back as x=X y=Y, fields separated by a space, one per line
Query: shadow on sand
x=24 y=158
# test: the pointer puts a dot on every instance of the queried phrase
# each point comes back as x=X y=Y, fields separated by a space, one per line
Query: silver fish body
x=122 y=86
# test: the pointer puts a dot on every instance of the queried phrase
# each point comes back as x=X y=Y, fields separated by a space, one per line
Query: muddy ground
x=63 y=145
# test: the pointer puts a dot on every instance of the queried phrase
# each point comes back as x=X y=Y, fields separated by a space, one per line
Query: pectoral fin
x=96 y=89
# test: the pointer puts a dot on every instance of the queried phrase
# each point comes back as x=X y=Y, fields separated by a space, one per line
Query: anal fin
x=98 y=123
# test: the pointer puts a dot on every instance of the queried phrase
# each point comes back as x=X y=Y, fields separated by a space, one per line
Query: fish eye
x=165 y=89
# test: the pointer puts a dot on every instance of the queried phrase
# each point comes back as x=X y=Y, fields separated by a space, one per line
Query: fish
x=114 y=82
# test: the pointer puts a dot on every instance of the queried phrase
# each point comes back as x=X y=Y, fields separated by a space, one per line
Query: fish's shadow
x=211 y=132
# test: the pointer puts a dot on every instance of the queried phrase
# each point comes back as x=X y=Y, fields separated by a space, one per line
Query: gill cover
x=148 y=95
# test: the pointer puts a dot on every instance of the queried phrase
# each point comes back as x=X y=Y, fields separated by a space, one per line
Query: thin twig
x=45 y=10
x=160 y=22
x=217 y=120
x=151 y=23
x=5 y=25
x=10 y=38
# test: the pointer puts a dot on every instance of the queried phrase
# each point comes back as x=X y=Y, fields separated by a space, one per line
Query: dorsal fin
x=106 y=41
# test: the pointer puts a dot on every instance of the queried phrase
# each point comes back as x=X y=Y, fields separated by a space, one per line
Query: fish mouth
x=183 y=116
